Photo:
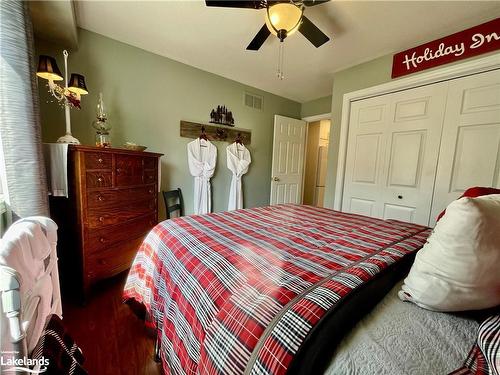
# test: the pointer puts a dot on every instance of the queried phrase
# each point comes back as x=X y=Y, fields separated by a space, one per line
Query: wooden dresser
x=112 y=205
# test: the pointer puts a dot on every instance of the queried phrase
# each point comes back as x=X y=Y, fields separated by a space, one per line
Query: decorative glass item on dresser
x=69 y=95
x=102 y=125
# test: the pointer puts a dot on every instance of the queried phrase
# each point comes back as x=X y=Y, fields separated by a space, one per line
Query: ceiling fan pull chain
x=281 y=53
x=278 y=70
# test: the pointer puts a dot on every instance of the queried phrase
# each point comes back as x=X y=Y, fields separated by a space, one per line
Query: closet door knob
x=276 y=179
x=400 y=197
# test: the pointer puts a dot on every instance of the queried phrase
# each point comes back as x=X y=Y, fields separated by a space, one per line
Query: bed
x=265 y=290
x=401 y=338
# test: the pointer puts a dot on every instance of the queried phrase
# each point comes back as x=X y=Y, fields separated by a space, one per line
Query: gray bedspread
x=401 y=338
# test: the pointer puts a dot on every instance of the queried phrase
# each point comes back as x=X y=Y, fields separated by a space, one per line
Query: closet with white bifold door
x=410 y=153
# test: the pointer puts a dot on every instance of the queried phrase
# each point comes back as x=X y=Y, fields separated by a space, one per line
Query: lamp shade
x=283 y=16
x=77 y=84
x=47 y=68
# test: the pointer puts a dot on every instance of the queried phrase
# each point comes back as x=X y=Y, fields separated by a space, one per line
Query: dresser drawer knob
x=150 y=177
x=101 y=219
x=150 y=191
x=118 y=170
x=100 y=160
x=102 y=240
x=99 y=179
x=100 y=198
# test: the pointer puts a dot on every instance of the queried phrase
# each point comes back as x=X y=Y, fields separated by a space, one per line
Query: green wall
x=316 y=107
x=147 y=95
x=368 y=74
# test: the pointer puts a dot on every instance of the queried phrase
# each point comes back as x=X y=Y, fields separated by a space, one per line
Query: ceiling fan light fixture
x=283 y=19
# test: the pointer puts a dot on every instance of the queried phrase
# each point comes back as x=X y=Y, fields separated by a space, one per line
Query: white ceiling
x=214 y=39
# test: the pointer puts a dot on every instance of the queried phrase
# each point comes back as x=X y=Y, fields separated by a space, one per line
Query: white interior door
x=368 y=126
x=392 y=154
x=288 y=160
x=470 y=147
x=412 y=153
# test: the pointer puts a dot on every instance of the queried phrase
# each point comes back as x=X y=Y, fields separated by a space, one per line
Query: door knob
x=276 y=179
x=400 y=197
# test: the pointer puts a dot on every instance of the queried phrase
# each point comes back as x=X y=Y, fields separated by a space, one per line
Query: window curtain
x=24 y=185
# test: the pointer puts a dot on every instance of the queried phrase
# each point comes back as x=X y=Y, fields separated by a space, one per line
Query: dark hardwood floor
x=113 y=339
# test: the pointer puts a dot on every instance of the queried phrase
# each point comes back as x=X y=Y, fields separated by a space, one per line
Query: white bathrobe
x=238 y=160
x=202 y=157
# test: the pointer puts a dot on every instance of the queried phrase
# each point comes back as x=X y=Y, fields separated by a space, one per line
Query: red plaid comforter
x=237 y=292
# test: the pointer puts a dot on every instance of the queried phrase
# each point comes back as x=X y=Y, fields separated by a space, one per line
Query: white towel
x=56 y=165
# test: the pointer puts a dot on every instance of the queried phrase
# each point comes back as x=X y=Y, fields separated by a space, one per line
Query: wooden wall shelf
x=215 y=132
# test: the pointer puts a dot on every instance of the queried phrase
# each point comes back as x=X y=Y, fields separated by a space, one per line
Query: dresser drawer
x=120 y=197
x=129 y=170
x=103 y=216
x=99 y=179
x=150 y=177
x=98 y=160
x=101 y=239
x=111 y=261
x=150 y=163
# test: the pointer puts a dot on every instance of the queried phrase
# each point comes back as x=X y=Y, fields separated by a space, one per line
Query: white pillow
x=459 y=267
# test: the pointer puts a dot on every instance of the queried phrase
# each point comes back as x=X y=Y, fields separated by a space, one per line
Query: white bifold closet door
x=470 y=146
x=392 y=154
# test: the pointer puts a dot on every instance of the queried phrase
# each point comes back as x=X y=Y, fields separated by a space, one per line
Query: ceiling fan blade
x=259 y=39
x=311 y=3
x=250 y=4
x=312 y=33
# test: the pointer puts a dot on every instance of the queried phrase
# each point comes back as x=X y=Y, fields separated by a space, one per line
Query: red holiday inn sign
x=471 y=42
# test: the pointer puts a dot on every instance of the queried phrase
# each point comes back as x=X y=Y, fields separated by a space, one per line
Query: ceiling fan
x=283 y=18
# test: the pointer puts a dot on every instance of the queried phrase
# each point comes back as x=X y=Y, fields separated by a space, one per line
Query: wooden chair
x=176 y=196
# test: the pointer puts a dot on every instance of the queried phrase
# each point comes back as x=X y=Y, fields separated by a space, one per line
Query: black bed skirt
x=318 y=348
